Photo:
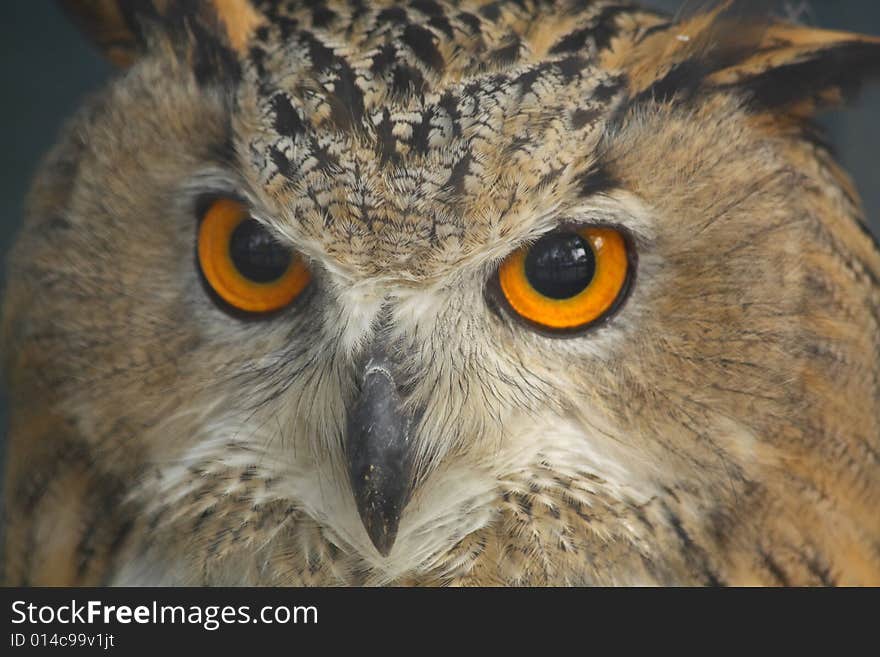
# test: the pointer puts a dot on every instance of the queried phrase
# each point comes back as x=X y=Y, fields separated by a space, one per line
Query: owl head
x=446 y=292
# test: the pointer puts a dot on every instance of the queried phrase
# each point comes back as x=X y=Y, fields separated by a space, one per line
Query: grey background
x=46 y=69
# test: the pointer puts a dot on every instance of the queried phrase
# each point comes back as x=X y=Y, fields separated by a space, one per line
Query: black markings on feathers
x=598 y=33
x=597 y=180
x=407 y=60
x=459 y=171
x=287 y=119
x=387 y=144
x=693 y=554
x=584 y=116
x=422 y=43
x=507 y=54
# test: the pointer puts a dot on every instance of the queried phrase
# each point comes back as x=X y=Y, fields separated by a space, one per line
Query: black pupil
x=560 y=265
x=256 y=254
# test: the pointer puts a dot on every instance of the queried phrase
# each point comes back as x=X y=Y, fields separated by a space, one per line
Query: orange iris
x=603 y=283
x=233 y=258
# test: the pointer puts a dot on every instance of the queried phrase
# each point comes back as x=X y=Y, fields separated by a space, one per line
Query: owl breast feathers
x=438 y=292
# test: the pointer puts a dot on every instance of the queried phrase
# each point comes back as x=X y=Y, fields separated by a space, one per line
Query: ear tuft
x=108 y=25
x=738 y=47
x=803 y=69
x=120 y=27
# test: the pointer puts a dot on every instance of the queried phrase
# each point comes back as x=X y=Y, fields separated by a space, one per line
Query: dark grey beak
x=379 y=452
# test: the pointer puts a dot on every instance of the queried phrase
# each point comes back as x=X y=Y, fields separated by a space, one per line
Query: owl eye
x=244 y=264
x=567 y=280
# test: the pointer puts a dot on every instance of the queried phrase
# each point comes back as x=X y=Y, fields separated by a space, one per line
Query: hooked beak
x=379 y=452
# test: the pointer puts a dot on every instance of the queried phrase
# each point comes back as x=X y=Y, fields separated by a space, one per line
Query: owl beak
x=379 y=454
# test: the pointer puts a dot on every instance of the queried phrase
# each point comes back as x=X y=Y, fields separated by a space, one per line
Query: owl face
x=447 y=293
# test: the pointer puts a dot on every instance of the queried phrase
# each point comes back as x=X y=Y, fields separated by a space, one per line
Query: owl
x=558 y=292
